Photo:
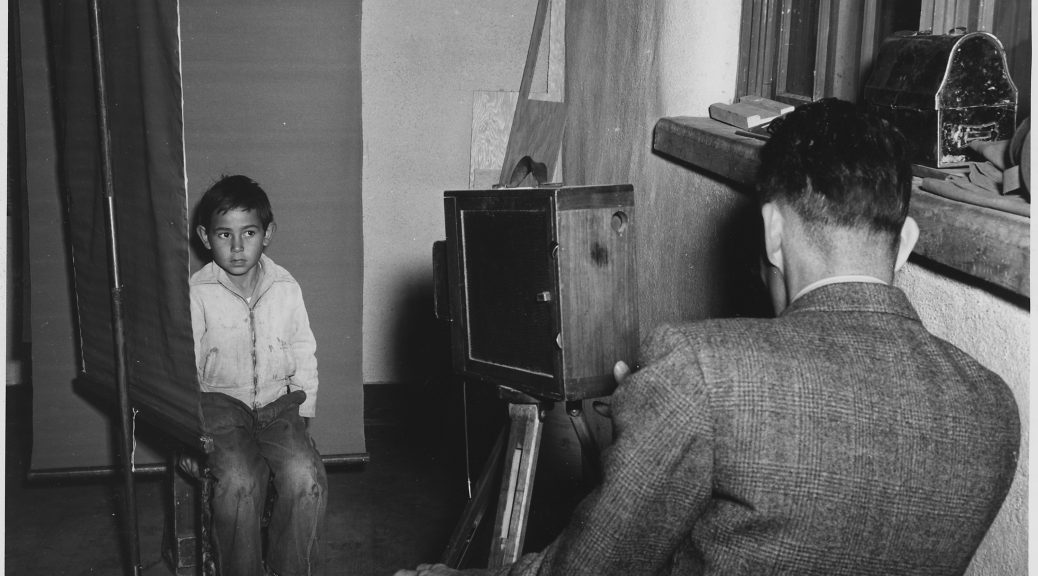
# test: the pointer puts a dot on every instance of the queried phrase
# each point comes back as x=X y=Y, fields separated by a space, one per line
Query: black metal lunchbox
x=943 y=92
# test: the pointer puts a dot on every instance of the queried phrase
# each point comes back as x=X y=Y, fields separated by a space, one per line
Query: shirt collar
x=263 y=281
x=842 y=279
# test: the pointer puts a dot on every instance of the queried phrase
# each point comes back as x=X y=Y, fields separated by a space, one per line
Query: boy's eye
x=250 y=233
x=223 y=235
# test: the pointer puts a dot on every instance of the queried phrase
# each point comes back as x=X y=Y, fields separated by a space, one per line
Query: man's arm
x=657 y=474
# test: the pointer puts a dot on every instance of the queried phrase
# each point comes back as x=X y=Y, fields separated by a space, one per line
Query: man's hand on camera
x=621 y=371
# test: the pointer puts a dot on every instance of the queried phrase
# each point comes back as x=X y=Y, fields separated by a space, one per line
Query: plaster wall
x=997 y=333
x=420 y=63
x=699 y=55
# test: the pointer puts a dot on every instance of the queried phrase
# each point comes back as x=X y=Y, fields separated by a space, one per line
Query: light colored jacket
x=255 y=352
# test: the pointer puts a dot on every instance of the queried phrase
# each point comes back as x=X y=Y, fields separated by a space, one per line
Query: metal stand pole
x=125 y=415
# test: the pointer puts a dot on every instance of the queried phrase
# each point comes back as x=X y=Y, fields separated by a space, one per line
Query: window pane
x=896 y=15
x=803 y=37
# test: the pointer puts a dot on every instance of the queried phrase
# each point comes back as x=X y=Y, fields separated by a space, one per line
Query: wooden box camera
x=542 y=287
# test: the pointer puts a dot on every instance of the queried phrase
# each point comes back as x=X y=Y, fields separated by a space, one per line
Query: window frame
x=848 y=28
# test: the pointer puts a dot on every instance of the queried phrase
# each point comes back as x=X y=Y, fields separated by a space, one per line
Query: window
x=798 y=51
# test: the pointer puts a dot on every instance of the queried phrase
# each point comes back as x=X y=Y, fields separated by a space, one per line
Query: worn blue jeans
x=251 y=446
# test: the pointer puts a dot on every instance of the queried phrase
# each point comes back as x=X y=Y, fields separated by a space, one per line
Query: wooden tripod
x=518 y=445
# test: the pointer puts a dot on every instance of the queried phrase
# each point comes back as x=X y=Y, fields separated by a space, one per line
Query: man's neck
x=840 y=279
x=841 y=259
x=799 y=282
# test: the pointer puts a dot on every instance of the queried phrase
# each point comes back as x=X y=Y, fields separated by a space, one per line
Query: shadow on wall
x=739 y=266
x=420 y=342
x=458 y=421
x=426 y=392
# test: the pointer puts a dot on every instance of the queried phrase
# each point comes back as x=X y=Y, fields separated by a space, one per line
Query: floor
x=396 y=511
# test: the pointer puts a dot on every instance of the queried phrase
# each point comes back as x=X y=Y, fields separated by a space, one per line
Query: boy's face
x=236 y=239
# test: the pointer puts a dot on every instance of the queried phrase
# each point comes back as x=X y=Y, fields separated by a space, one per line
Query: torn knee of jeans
x=244 y=488
x=247 y=491
x=314 y=491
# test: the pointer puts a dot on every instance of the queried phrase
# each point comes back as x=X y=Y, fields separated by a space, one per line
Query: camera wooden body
x=542 y=286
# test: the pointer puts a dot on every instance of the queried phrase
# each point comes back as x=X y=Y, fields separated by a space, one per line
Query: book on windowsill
x=741 y=114
x=750 y=113
x=767 y=104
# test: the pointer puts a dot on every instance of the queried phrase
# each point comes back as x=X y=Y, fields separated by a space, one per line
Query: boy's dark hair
x=233 y=193
x=835 y=165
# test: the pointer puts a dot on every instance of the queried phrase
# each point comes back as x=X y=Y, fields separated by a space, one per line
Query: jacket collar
x=269 y=272
x=854 y=297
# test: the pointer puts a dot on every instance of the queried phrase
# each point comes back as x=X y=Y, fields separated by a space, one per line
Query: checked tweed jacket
x=839 y=438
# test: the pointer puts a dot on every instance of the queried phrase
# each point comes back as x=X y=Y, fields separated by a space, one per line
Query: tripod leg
x=472 y=516
x=517 y=483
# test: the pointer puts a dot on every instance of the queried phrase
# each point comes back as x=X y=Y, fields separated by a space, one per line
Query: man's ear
x=269 y=233
x=909 y=236
x=200 y=230
x=773 y=224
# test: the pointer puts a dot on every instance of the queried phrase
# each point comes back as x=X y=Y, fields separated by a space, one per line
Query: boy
x=254 y=353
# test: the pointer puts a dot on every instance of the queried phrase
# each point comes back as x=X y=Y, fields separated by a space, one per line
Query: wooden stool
x=187 y=544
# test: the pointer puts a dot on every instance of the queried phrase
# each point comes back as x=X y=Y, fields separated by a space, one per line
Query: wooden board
x=492 y=113
x=697 y=252
x=551 y=57
x=708 y=145
x=987 y=244
x=538 y=125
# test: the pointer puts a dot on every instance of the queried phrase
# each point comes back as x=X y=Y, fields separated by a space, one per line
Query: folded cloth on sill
x=1012 y=156
x=982 y=186
x=996 y=152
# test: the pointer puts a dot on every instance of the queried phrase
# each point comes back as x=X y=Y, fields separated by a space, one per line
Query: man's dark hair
x=233 y=193
x=835 y=165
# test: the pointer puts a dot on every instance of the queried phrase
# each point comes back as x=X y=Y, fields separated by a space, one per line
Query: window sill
x=988 y=244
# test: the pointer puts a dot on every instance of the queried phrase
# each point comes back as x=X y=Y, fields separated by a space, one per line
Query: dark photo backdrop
x=272 y=89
